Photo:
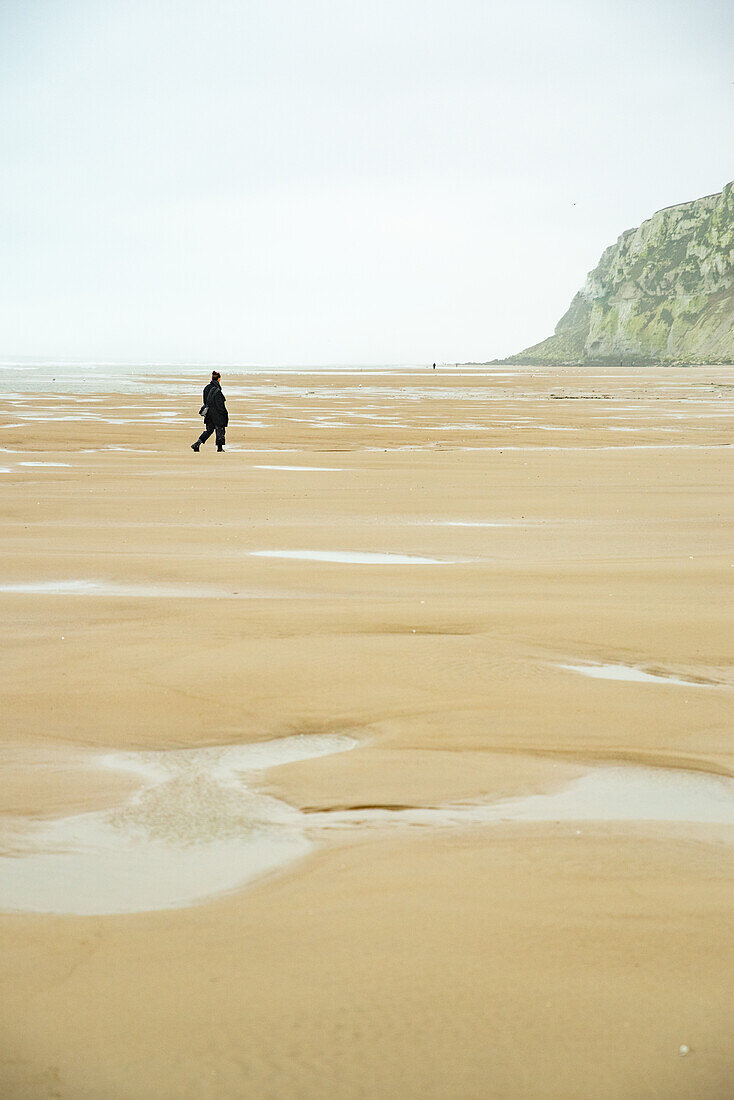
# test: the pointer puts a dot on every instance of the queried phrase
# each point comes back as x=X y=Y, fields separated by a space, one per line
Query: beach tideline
x=491 y=586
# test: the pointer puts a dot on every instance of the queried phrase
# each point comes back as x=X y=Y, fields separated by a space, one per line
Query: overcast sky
x=338 y=181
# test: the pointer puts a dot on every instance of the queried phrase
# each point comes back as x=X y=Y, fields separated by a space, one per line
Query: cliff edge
x=664 y=293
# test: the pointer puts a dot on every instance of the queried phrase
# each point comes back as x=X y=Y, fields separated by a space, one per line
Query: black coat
x=214 y=401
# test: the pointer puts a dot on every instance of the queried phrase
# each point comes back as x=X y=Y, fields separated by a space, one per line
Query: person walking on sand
x=216 y=417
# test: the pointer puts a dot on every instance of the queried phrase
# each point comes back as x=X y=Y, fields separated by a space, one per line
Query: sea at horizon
x=64 y=376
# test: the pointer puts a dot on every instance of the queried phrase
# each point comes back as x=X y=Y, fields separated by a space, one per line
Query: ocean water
x=64 y=377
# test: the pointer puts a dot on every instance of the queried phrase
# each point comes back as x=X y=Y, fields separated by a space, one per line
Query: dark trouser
x=208 y=429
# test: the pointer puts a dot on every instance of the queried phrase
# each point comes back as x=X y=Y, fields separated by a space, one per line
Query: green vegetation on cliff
x=664 y=293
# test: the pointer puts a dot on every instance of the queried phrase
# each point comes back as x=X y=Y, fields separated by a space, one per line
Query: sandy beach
x=440 y=590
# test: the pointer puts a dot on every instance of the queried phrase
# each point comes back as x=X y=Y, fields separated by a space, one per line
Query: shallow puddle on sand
x=146 y=591
x=632 y=793
x=352 y=557
x=317 y=469
x=633 y=675
x=195 y=829
x=116 y=447
x=475 y=523
x=620 y=447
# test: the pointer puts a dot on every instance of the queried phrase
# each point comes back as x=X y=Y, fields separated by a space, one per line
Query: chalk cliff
x=664 y=293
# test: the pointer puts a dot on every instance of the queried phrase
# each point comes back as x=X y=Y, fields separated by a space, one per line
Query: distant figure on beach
x=216 y=417
x=434 y=366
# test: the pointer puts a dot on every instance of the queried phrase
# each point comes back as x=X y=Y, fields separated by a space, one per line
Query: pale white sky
x=382 y=181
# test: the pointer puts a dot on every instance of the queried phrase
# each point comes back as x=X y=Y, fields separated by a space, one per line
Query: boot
x=220 y=447
x=195 y=446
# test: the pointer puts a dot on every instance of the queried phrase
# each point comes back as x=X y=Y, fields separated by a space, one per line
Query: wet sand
x=494 y=585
